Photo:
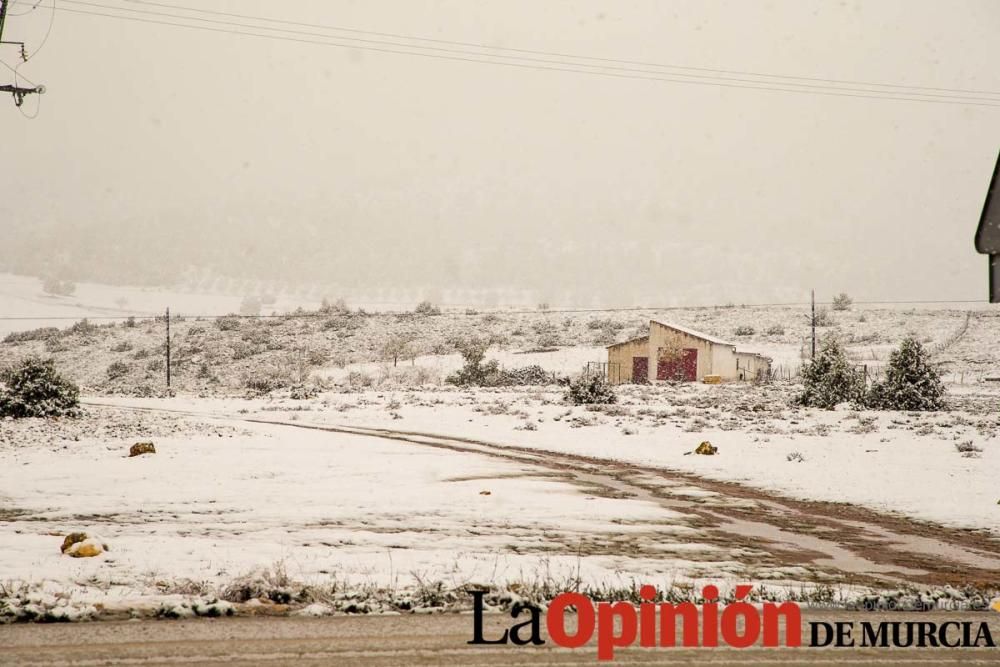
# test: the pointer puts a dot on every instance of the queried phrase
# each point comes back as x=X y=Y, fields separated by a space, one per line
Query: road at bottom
x=430 y=640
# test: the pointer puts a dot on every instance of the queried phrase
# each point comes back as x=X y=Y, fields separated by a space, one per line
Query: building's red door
x=684 y=368
x=640 y=369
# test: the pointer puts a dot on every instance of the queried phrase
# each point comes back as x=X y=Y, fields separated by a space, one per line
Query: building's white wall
x=724 y=362
x=713 y=358
x=750 y=364
x=623 y=354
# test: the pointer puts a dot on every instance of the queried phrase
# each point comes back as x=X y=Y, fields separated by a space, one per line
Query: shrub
x=830 y=378
x=842 y=302
x=83 y=327
x=474 y=372
x=527 y=375
x=823 y=318
x=745 y=330
x=118 y=369
x=360 y=380
x=589 y=390
x=31 y=335
x=775 y=330
x=338 y=307
x=426 y=308
x=33 y=388
x=265 y=380
x=228 y=323
x=244 y=350
x=397 y=347
x=547 y=340
x=58 y=287
x=124 y=346
x=911 y=382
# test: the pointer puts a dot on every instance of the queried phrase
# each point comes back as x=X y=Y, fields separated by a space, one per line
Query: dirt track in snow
x=833 y=543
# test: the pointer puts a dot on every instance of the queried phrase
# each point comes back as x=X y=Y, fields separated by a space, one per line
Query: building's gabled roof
x=693 y=333
x=626 y=342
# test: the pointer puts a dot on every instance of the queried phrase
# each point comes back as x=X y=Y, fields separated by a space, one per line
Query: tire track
x=834 y=541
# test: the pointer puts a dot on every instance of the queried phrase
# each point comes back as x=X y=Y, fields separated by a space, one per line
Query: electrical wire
x=625 y=73
x=25 y=12
x=713 y=79
x=554 y=53
x=552 y=311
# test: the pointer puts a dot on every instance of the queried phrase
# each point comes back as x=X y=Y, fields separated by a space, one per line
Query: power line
x=552 y=311
x=26 y=11
x=14 y=70
x=698 y=78
x=623 y=73
x=553 y=53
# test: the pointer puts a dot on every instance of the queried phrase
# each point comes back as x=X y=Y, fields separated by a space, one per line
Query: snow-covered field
x=221 y=503
x=905 y=463
x=227 y=505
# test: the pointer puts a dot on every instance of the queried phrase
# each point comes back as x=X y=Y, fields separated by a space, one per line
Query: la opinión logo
x=738 y=624
x=653 y=624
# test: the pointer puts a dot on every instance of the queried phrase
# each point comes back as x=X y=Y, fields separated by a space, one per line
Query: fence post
x=168 y=347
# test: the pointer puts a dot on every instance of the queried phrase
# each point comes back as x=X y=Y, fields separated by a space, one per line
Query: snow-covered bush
x=474 y=372
x=118 y=369
x=58 y=287
x=590 y=389
x=744 y=330
x=33 y=388
x=822 y=318
x=228 y=323
x=44 y=333
x=842 y=302
x=911 y=382
x=426 y=308
x=830 y=378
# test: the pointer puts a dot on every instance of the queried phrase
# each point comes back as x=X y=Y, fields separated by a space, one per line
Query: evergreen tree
x=830 y=378
x=911 y=382
x=34 y=388
x=589 y=390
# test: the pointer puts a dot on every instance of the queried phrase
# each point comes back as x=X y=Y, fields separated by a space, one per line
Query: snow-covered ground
x=219 y=501
x=905 y=463
x=225 y=500
x=224 y=497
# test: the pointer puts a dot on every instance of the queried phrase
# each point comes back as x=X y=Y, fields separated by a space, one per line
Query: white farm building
x=672 y=352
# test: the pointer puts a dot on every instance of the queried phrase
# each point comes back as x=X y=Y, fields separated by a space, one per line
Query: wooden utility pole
x=17 y=91
x=168 y=348
x=3 y=17
x=813 y=322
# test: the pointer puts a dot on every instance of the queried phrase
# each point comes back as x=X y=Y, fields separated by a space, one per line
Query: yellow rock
x=81 y=545
x=87 y=549
x=995 y=605
x=72 y=539
x=706 y=448
x=140 y=448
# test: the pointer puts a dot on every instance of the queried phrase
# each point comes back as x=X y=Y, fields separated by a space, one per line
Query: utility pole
x=3 y=16
x=168 y=347
x=813 y=322
x=17 y=91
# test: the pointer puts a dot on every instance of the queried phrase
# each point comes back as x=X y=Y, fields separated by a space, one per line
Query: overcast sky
x=158 y=124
